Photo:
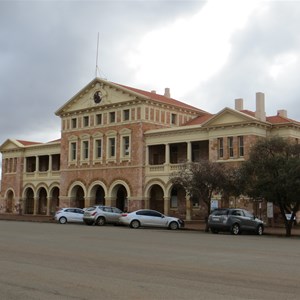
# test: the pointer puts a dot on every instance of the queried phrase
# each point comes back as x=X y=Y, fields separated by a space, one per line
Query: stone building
x=119 y=145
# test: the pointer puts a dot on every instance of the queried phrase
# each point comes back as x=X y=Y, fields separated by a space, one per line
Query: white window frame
x=85 y=150
x=126 y=148
x=241 y=146
x=125 y=133
x=72 y=151
x=96 y=157
x=110 y=145
x=220 y=148
x=112 y=134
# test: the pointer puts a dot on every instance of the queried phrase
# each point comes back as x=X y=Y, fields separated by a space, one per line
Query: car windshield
x=91 y=208
x=220 y=212
x=248 y=214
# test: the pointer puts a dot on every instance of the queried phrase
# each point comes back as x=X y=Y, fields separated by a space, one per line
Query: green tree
x=273 y=173
x=201 y=179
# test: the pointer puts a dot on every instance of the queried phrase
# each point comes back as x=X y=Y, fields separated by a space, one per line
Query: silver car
x=100 y=215
x=235 y=221
x=69 y=214
x=149 y=217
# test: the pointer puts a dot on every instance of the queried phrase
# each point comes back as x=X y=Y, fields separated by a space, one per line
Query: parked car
x=69 y=214
x=100 y=215
x=149 y=217
x=235 y=221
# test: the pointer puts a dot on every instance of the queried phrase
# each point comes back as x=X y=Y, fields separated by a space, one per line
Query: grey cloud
x=247 y=71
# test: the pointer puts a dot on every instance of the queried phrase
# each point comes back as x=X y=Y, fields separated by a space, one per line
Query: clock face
x=97 y=97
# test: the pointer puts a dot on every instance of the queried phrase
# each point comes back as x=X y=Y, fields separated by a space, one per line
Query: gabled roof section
x=228 y=116
x=13 y=144
x=27 y=143
x=112 y=95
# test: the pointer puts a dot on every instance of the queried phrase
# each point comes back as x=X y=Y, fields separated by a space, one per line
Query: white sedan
x=69 y=214
x=150 y=218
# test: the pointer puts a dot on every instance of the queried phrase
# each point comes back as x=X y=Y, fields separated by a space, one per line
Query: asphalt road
x=52 y=261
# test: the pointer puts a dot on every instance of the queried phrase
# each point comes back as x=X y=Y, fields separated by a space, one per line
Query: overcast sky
x=207 y=52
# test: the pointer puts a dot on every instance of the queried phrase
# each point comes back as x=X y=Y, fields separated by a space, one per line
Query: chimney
x=282 y=113
x=167 y=93
x=260 y=107
x=239 y=105
x=153 y=92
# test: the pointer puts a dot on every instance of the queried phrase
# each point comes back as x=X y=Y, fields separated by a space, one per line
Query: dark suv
x=234 y=220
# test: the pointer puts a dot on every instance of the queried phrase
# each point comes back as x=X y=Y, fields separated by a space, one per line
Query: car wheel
x=213 y=230
x=100 y=221
x=135 y=224
x=235 y=229
x=260 y=230
x=62 y=220
x=173 y=225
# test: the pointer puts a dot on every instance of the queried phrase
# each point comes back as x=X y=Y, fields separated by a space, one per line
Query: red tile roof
x=161 y=98
x=248 y=112
x=278 y=119
x=272 y=119
x=27 y=143
x=199 y=120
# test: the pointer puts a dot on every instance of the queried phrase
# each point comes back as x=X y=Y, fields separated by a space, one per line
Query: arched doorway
x=100 y=196
x=9 y=202
x=157 y=198
x=97 y=195
x=121 y=199
x=77 y=197
x=42 y=202
x=29 y=201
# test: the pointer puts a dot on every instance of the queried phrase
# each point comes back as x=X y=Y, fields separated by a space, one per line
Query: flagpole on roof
x=97 y=68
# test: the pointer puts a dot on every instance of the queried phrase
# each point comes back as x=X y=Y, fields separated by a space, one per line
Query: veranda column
x=48 y=206
x=166 y=205
x=147 y=156
x=36 y=164
x=147 y=203
x=189 y=151
x=108 y=201
x=25 y=165
x=50 y=163
x=167 y=154
x=35 y=205
x=188 y=208
x=87 y=202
